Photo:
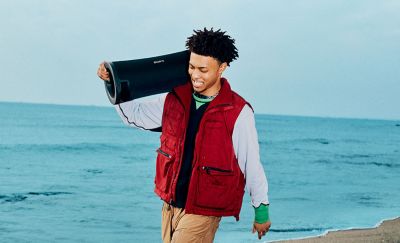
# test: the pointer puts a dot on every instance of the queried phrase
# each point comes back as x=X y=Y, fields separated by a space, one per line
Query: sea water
x=77 y=174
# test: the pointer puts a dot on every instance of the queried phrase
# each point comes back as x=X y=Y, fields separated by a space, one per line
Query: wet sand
x=388 y=231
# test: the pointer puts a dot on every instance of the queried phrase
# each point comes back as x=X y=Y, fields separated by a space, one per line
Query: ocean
x=78 y=174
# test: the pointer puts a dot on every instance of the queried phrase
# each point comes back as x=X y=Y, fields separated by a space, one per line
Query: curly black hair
x=213 y=43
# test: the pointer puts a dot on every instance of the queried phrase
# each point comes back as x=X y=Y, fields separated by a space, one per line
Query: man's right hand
x=261 y=229
x=103 y=73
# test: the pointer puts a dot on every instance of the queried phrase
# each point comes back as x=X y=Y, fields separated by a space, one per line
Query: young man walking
x=209 y=150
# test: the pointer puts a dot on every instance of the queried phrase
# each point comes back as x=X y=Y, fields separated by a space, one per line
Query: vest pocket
x=216 y=188
x=164 y=164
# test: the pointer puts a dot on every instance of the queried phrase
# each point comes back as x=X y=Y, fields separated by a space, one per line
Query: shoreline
x=387 y=230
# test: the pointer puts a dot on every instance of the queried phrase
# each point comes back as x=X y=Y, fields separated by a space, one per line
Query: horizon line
x=268 y=114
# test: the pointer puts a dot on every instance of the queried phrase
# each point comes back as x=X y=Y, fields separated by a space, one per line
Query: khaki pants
x=178 y=227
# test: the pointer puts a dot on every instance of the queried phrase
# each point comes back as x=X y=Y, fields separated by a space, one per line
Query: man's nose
x=195 y=74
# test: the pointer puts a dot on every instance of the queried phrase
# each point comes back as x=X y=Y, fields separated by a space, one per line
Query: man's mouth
x=197 y=83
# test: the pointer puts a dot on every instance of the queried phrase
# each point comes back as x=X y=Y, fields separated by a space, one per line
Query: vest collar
x=184 y=93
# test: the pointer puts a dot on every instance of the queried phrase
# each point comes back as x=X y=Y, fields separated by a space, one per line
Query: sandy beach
x=388 y=231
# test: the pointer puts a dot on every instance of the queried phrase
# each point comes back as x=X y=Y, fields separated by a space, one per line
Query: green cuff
x=261 y=213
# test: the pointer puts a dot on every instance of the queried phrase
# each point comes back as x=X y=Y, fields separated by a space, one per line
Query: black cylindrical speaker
x=138 y=78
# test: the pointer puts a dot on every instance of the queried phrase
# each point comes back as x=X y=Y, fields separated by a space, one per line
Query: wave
x=48 y=193
x=322 y=141
x=70 y=126
x=327 y=231
x=323 y=161
x=77 y=147
x=374 y=163
x=358 y=163
x=296 y=230
x=352 y=140
x=19 y=197
x=355 y=156
x=12 y=198
x=315 y=140
x=80 y=126
x=291 y=199
x=94 y=171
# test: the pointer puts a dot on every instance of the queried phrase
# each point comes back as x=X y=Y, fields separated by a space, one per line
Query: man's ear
x=222 y=67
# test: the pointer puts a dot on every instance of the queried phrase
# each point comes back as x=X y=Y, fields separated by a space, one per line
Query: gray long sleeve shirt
x=147 y=115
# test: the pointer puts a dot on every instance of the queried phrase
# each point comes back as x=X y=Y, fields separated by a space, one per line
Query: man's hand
x=102 y=72
x=262 y=229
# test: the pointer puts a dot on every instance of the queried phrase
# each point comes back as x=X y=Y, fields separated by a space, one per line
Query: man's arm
x=146 y=115
x=245 y=143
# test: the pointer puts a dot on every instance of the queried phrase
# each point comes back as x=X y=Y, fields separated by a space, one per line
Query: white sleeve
x=245 y=143
x=146 y=115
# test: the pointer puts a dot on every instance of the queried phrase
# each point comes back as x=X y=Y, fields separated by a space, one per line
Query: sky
x=296 y=57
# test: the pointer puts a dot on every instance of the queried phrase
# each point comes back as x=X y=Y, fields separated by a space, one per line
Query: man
x=209 y=148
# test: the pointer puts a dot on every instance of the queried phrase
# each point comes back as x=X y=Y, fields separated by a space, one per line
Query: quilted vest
x=216 y=185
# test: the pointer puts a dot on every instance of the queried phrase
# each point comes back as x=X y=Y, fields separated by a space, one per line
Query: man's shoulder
x=237 y=96
x=238 y=99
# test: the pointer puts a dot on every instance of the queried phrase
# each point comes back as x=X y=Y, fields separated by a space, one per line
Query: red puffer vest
x=217 y=184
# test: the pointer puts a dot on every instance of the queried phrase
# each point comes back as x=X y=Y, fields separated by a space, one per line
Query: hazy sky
x=302 y=57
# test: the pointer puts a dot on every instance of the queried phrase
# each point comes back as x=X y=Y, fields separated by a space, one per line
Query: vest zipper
x=200 y=127
x=164 y=153
x=176 y=175
x=208 y=168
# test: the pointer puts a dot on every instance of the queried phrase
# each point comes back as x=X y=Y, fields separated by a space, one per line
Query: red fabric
x=217 y=183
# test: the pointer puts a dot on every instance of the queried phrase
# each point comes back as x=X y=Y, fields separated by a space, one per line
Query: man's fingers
x=104 y=77
x=261 y=229
x=102 y=67
x=101 y=73
x=262 y=233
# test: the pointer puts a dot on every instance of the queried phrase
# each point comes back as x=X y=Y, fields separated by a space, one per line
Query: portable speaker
x=138 y=78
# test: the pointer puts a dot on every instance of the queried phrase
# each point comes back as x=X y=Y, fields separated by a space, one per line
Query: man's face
x=205 y=73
